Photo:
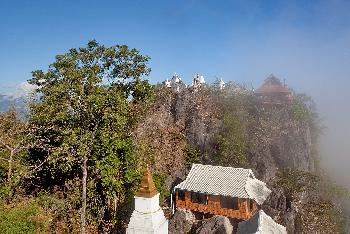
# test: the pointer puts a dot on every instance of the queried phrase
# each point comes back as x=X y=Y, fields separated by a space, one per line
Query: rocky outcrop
x=181 y=222
x=216 y=225
x=273 y=139
x=278 y=141
x=176 y=122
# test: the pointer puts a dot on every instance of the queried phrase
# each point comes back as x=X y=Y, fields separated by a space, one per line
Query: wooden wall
x=214 y=207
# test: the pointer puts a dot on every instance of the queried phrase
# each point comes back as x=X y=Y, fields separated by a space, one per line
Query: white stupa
x=201 y=80
x=221 y=84
x=176 y=78
x=198 y=80
x=148 y=217
x=168 y=83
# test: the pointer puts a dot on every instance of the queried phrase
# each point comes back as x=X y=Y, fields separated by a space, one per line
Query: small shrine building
x=274 y=92
x=217 y=190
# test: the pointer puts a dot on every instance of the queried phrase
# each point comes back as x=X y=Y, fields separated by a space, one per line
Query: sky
x=305 y=42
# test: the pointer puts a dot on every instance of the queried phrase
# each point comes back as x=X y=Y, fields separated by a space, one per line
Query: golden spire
x=147 y=187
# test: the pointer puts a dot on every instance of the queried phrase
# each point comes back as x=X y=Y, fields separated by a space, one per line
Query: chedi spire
x=147 y=187
x=148 y=216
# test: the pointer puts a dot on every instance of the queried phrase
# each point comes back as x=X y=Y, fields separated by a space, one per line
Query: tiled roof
x=260 y=223
x=226 y=181
x=272 y=85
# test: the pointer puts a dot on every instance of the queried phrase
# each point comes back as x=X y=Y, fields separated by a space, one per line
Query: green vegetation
x=13 y=147
x=192 y=156
x=80 y=147
x=299 y=109
x=320 y=217
x=75 y=163
x=232 y=139
x=24 y=217
x=159 y=181
x=295 y=182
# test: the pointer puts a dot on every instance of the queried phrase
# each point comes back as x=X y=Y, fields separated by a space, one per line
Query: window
x=199 y=198
x=229 y=202
x=251 y=204
x=181 y=195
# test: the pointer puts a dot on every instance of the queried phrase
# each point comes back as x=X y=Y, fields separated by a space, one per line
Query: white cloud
x=18 y=90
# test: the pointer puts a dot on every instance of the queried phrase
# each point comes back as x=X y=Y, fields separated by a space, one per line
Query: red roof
x=272 y=85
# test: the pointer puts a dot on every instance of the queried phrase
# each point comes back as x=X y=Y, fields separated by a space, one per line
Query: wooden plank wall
x=214 y=207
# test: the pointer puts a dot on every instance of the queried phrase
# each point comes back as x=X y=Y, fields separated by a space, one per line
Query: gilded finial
x=147 y=186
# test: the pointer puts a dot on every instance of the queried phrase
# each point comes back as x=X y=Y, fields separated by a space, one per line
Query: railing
x=213 y=207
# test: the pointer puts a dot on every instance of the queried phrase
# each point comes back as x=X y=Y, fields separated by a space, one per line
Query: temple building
x=274 y=92
x=221 y=84
x=198 y=80
x=176 y=79
x=148 y=216
x=217 y=190
x=167 y=83
x=260 y=223
x=175 y=83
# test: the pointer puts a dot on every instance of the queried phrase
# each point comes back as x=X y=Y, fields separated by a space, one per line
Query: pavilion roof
x=225 y=181
x=272 y=85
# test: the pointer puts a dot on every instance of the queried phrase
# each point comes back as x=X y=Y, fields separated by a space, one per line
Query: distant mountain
x=15 y=95
x=6 y=102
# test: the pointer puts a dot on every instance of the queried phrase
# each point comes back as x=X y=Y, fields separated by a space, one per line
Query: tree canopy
x=89 y=100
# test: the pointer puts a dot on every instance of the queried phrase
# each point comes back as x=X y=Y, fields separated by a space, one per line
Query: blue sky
x=306 y=42
x=238 y=40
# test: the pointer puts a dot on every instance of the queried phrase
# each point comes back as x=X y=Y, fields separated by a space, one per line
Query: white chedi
x=201 y=79
x=176 y=78
x=198 y=80
x=148 y=216
x=221 y=84
x=168 y=83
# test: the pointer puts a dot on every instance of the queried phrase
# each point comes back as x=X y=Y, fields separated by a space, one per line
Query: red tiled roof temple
x=272 y=85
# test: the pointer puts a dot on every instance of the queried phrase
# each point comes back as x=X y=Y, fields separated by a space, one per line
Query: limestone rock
x=216 y=225
x=181 y=222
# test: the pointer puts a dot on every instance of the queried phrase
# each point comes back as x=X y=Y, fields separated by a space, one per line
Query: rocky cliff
x=231 y=127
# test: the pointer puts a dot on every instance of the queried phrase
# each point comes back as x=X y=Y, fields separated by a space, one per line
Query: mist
x=315 y=61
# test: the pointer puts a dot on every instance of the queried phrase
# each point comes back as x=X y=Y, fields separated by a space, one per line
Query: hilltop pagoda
x=273 y=91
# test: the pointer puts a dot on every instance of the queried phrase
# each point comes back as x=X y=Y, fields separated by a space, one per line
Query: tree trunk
x=83 y=208
x=9 y=173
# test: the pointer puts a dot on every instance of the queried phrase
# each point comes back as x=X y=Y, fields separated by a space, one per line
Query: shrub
x=192 y=156
x=159 y=181
x=300 y=112
x=24 y=217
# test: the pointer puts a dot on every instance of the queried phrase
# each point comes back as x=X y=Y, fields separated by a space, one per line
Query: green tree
x=89 y=100
x=231 y=140
x=296 y=181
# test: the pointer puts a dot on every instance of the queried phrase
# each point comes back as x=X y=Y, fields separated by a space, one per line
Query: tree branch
x=5 y=145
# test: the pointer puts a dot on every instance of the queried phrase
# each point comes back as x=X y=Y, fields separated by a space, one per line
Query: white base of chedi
x=147 y=217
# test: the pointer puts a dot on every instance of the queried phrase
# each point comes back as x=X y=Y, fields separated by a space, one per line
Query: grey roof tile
x=226 y=181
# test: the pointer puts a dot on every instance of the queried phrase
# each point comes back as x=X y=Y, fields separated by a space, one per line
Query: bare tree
x=12 y=138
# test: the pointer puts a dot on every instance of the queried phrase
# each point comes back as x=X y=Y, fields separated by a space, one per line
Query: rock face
x=176 y=122
x=278 y=141
x=216 y=225
x=181 y=222
x=193 y=119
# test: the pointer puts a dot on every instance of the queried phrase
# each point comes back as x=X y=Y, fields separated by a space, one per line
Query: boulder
x=181 y=222
x=215 y=225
